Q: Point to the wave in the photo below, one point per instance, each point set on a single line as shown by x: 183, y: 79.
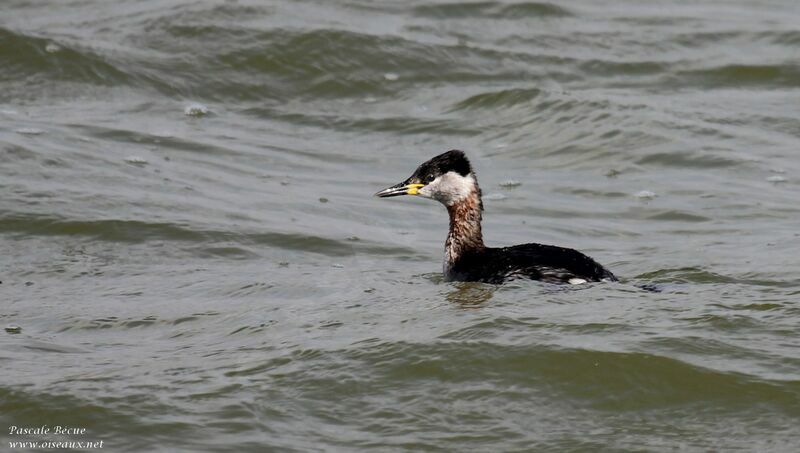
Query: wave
x: 492, y: 10
x: 599, y: 379
x: 30, y: 56
x: 389, y: 124
x: 126, y: 417
x: 498, y: 99
x: 114, y: 322
x: 688, y: 159
x: 740, y: 75
x: 278, y: 64
x: 134, y: 231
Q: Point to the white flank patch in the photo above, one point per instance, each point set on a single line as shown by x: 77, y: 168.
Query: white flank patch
x: 576, y: 281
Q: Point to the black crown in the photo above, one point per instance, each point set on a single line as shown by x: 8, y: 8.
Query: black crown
x: 453, y: 160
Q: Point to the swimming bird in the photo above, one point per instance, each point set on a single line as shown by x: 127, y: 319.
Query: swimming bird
x: 449, y: 179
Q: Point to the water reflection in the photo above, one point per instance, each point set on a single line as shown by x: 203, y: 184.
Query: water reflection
x: 471, y: 294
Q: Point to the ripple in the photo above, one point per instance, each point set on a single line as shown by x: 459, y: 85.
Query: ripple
x: 493, y: 10
x: 134, y: 231
x: 114, y: 322
x: 740, y: 75
x: 701, y: 346
x: 498, y: 99
x: 486, y: 330
x: 154, y: 139
x: 629, y: 68
x: 673, y: 215
x: 108, y: 230
x: 688, y: 159
x: 599, y: 379
x: 395, y: 125
x: 284, y: 64
x: 686, y: 275
x: 227, y: 252
x: 24, y: 55
x: 107, y: 417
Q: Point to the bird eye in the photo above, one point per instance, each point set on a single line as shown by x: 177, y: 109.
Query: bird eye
x: 429, y: 179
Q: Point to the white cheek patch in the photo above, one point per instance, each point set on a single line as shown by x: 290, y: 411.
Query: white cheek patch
x: 449, y: 188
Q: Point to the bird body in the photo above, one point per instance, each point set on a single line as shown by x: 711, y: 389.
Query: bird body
x: 547, y: 263
x: 449, y: 179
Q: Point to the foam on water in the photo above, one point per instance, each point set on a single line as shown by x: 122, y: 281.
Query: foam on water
x: 30, y: 131
x: 195, y: 109
x: 645, y: 194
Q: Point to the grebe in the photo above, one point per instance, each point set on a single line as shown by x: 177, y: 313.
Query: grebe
x: 448, y: 178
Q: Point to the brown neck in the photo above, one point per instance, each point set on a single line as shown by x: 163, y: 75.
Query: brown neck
x: 465, y: 228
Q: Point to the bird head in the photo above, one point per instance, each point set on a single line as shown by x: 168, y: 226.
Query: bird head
x: 447, y: 178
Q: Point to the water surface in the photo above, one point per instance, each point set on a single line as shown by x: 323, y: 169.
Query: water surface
x: 191, y: 251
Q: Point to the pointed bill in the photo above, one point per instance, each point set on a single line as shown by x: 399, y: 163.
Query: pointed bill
x: 400, y: 189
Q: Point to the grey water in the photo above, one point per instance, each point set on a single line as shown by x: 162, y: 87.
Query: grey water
x: 192, y: 259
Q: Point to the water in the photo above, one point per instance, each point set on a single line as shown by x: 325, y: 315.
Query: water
x: 192, y: 259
